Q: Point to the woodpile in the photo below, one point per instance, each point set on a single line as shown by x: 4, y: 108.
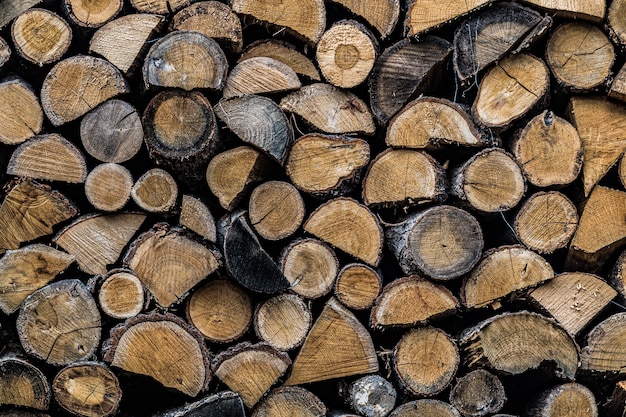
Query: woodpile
x: 346, y: 208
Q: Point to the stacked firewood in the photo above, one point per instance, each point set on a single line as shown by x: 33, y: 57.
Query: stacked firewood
x: 307, y: 208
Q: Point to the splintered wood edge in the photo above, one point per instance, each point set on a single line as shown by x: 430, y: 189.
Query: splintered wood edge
x: 196, y: 216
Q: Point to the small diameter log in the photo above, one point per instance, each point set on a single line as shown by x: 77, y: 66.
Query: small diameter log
x: 618, y: 86
x: 25, y: 270
x: 258, y: 121
x: 250, y: 370
x: 22, y: 384
x: 185, y: 59
x: 564, y: 400
x: 112, y: 132
x: 346, y: 53
x: 10, y: 9
x: 21, y: 115
x: 348, y: 226
x: 535, y: 339
x: 230, y: 174
x: 546, y: 222
x: 196, y: 216
x: 599, y: 123
x: 88, y: 389
x: 97, y: 241
x: 241, y: 248
x: 222, y: 403
x: 123, y: 41
x: 425, y: 408
x: 283, y: 52
x: 478, y: 393
x: 306, y: 19
x: 417, y: 177
x: 489, y: 35
x: 592, y: 10
x: 403, y: 71
x: 41, y: 36
x: 617, y: 277
x: 337, y: 346
x: 574, y: 299
x: 430, y: 122
x: 155, y: 191
x: 503, y: 271
x: 425, y: 15
x: 153, y: 345
x: 490, y: 181
x: 5, y: 53
x: 425, y: 361
x: 616, y: 406
x: 310, y: 266
x: 121, y: 294
x: 580, y: 56
x: 371, y: 396
x: 357, y: 286
x: 330, y: 109
x: 181, y: 133
x: 159, y: 6
x: 604, y: 352
x: 324, y: 165
x: 526, y: 80
x: 91, y: 14
x: 383, y: 15
x: 427, y: 301
x: 616, y: 22
x: 60, y: 323
x: 77, y: 85
x: 260, y: 75
x: 295, y: 401
x: 549, y: 151
x: 276, y: 210
x: 108, y: 186
x: 283, y: 321
x: 214, y: 19
x: 169, y: 262
x: 443, y: 242
x: 48, y: 157
x: 221, y: 310
x: 605, y: 211
x: 30, y: 210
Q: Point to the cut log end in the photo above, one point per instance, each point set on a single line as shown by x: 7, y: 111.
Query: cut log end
x: 121, y: 294
x: 108, y: 187
x: 283, y: 321
x: 41, y: 36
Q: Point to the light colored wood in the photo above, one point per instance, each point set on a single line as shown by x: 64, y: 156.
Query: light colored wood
x: 310, y: 266
x: 618, y: 86
x: 295, y: 401
x: 108, y: 187
x: 10, y: 9
x: 260, y: 75
x: 48, y: 157
x: 41, y: 36
x: 283, y: 321
x: 593, y: 10
x: 425, y: 408
x: 478, y: 393
x: 616, y: 22
x: 159, y: 6
x: 77, y: 85
x: 121, y: 294
x: 90, y: 13
x: 97, y: 241
x: 283, y: 52
x: 622, y: 171
x: 357, y: 286
x: 276, y: 210
x: 571, y: 399
x: 604, y: 351
x: 21, y: 115
x: 155, y: 191
x: 25, y: 270
x: 383, y: 15
x: 23, y: 384
x: 617, y: 277
x: 196, y: 216
x: 424, y: 15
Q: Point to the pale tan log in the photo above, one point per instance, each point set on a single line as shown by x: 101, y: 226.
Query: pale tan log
x: 97, y: 241
x: 618, y: 86
x: 294, y: 401
x: 121, y: 295
x: 155, y: 191
x: 77, y: 85
x: 216, y: 20
x: 604, y: 352
x: 159, y: 6
x: 283, y: 321
x: 196, y: 216
x: 425, y: 408
x: 383, y: 15
x: 25, y: 270
x: 593, y: 10
x: 424, y: 15
x: 310, y: 266
x: 123, y: 41
x: 92, y: 14
x: 565, y: 400
x: 41, y: 36
x: 48, y: 157
x: 616, y: 21
x: 357, y: 286
x: 260, y: 75
x: 22, y: 384
x: 622, y: 171
x: 21, y: 115
x: 283, y: 52
x: 108, y: 186
x: 276, y: 210
x: 574, y: 299
x: 10, y: 9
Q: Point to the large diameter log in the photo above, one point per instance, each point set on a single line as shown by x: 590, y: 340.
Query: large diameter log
x: 22, y: 384
x: 563, y: 400
x: 41, y: 36
x: 294, y: 401
x: 424, y: 15
x: 478, y: 393
x: 604, y: 352
x: 21, y: 115
x: 88, y: 14
x: 443, y: 242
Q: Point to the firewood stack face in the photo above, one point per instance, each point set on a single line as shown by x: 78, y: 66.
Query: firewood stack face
x: 346, y: 208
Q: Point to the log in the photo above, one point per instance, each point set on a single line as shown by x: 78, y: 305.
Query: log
x: 112, y: 132
x: 91, y: 15
x: 425, y: 361
x: 371, y: 396
x: 121, y: 294
x: 604, y: 353
x: 276, y: 210
x: 563, y: 400
x: 617, y: 89
x: 196, y: 216
x: 77, y: 85
x: 11, y: 9
x: 292, y: 400
x: 250, y: 370
x: 5, y: 53
x: 622, y: 171
x: 48, y: 157
x: 222, y: 403
x: 87, y: 389
x: 574, y: 299
x: 357, y: 286
x: 283, y: 321
x: 444, y: 242
x: 159, y: 6
x: 220, y: 310
x: 346, y: 53
x: 615, y: 405
x: 310, y: 266
x: 153, y: 345
x: 170, y: 262
x: 41, y: 36
x: 23, y: 384
x: 108, y: 187
x: 383, y: 15
x: 580, y: 56
x: 283, y: 52
x: 616, y: 23
x: 428, y: 301
x: 478, y: 393
x: 187, y: 60
x: 260, y: 75
x: 21, y: 115
x: 327, y: 165
x: 427, y: 15
x: 617, y: 276
x: 425, y: 408
x: 60, y: 323
x: 155, y: 191
x: 593, y: 10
